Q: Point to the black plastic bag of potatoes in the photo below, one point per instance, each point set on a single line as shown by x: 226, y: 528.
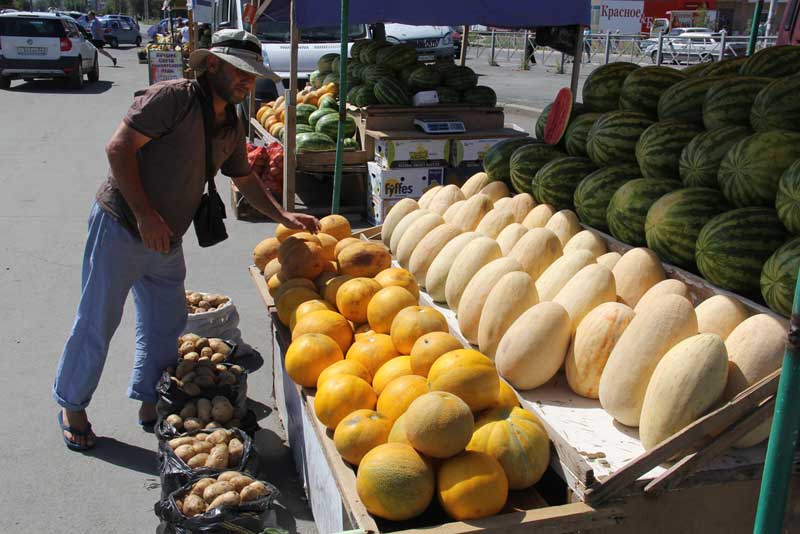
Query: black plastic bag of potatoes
x: 173, y: 397
x: 190, y: 459
x: 165, y: 430
x: 249, y: 517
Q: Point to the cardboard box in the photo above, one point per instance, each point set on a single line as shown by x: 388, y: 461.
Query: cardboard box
x: 470, y: 152
x: 402, y: 182
x: 412, y: 152
x: 378, y: 208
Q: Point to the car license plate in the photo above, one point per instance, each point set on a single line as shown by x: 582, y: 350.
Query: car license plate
x: 32, y: 50
x: 426, y: 57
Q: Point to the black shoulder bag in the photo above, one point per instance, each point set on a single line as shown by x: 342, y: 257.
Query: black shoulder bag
x: 208, y: 219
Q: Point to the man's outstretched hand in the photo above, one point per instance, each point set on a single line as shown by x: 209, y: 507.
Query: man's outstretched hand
x: 301, y: 221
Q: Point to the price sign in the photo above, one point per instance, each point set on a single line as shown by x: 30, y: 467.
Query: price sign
x: 165, y: 65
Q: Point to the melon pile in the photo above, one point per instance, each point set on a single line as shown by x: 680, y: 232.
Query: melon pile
x: 415, y: 412
x: 700, y: 165
x: 536, y: 292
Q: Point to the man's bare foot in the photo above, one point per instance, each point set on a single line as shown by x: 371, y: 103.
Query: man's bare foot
x: 147, y: 412
x: 80, y: 422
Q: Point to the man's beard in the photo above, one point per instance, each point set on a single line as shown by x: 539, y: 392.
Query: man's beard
x: 222, y: 86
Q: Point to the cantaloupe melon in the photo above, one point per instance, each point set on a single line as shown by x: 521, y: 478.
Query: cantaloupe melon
x: 477, y: 290
x: 655, y: 329
x: 509, y: 236
x: 564, y: 224
x: 395, y: 215
x: 415, y: 233
x: 427, y: 249
x: 436, y: 277
x: 586, y: 240
x: 560, y: 272
x: 590, y: 287
x: 514, y: 293
x: 438, y: 424
x: 366, y: 258
x: 637, y: 270
x: 720, y: 314
x: 536, y: 250
x: 538, y: 216
x: 670, y: 286
x: 469, y: 261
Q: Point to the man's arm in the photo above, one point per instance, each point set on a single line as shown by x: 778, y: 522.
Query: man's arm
x: 122, y: 151
x: 264, y: 202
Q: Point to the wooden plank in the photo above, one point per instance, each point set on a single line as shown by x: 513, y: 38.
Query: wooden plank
x: 289, y: 152
x: 261, y: 286
x: 462, y: 60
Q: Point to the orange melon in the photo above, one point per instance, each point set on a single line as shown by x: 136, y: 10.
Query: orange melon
x: 307, y: 307
x: 308, y: 356
x: 413, y: 322
x: 359, y: 433
x: 429, y: 347
x: 372, y: 352
x: 385, y: 305
x: 335, y: 225
x: 265, y: 251
x: 396, y: 367
x: 396, y: 276
x: 332, y: 287
x: 326, y: 322
x: 340, y: 395
x: 290, y: 299
x: 472, y: 485
x: 398, y: 394
x: 467, y: 374
x: 354, y: 296
x: 345, y: 367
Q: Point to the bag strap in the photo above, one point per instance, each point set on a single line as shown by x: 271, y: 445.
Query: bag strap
x: 208, y: 122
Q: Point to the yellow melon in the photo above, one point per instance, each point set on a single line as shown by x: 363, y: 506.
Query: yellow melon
x: 359, y: 433
x: 328, y: 244
x: 399, y: 394
x: 471, y: 485
x: 467, y: 374
x: 398, y: 433
x: 335, y: 225
x: 398, y: 366
x: 308, y: 356
x: 307, y: 307
x: 439, y: 424
x: 385, y: 305
x: 345, y: 367
x: 301, y: 259
x: 354, y: 296
x: 265, y: 251
x: 395, y: 276
x: 290, y: 299
x: 365, y: 258
x: 373, y: 351
x: 282, y: 232
x: 429, y: 347
x: 413, y: 322
x: 326, y: 322
x: 278, y: 285
x: 506, y: 397
x: 344, y: 243
x: 340, y: 395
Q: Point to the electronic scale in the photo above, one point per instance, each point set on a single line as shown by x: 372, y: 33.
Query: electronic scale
x: 440, y: 125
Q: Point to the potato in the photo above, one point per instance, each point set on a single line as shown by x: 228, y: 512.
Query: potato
x: 220, y: 436
x: 226, y: 378
x: 192, y: 424
x: 198, y: 460
x: 254, y: 491
x: 186, y: 347
x: 190, y: 410
x: 175, y: 420
x: 204, y: 359
x: 177, y: 442
x: 217, y: 357
x: 236, y: 369
x: 189, y: 377
x: 204, y: 370
x: 193, y: 505
x: 191, y: 357
x: 201, y: 343
x: 205, y: 381
x: 192, y: 389
x: 220, y: 368
x: 202, y: 446
x: 189, y: 337
x: 218, y: 457
x: 200, y: 486
x: 235, y: 452
x: 227, y: 476
x: 207, y: 352
x: 222, y: 411
x: 185, y: 452
x: 204, y: 410
x: 179, y: 504
x: 240, y: 482
x: 216, y: 489
x: 194, y: 299
x: 200, y: 436
x: 230, y: 498
x: 219, y: 346
x: 184, y: 368
x: 213, y: 425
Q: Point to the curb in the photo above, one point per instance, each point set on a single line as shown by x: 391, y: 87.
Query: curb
x: 520, y: 109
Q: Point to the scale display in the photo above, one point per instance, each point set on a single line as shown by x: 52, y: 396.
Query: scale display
x: 443, y: 125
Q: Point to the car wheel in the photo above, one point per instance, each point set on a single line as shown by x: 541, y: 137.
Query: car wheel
x: 138, y: 41
x: 94, y: 74
x: 114, y: 42
x: 5, y: 82
x: 76, y: 78
x: 654, y: 56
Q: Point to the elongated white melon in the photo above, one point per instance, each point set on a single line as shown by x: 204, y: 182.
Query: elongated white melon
x: 533, y: 348
x: 451, y: 215
x: 446, y: 197
x: 536, y: 250
x: 560, y: 272
x: 474, y: 296
x: 655, y: 329
x: 428, y: 196
x: 395, y: 215
x: 670, y: 286
x: 590, y: 287
x: 586, y: 240
x: 637, y: 270
x: 686, y: 383
x: 513, y: 294
x: 469, y: 261
x: 427, y: 249
x: 719, y: 315
x: 521, y: 205
x: 592, y: 344
x: 472, y: 211
x: 493, y: 222
x: 496, y: 190
x: 415, y: 233
x: 538, y: 216
x: 503, y: 204
x: 403, y: 226
x: 609, y: 259
x: 475, y: 183
x: 436, y: 278
x: 564, y: 224
x: 509, y: 236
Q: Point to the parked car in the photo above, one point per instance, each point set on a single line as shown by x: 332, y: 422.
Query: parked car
x: 456, y: 34
x: 674, y: 32
x: 694, y: 48
x: 130, y: 20
x: 163, y: 27
x: 45, y: 45
x: 431, y: 42
x: 119, y: 31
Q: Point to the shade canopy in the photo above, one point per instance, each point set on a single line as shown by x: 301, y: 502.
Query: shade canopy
x: 499, y: 13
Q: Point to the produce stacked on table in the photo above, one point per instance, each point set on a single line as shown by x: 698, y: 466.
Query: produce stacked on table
x: 701, y: 165
x: 198, y: 302
x: 231, y: 488
x: 537, y: 293
x: 409, y: 407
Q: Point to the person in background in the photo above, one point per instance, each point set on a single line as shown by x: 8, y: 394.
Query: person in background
x: 98, y: 35
x: 587, y: 43
x: 204, y: 40
x: 183, y: 27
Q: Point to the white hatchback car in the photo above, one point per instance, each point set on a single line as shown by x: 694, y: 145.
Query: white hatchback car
x: 45, y: 45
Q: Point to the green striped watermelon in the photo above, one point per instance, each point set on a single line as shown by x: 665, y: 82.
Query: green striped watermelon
x: 787, y: 201
x: 728, y: 102
x: 777, y: 106
x: 577, y: 133
x: 460, y: 78
x: 329, y: 125
x: 773, y: 62
x: 526, y: 161
x: 355, y: 70
x: 594, y: 192
x: 392, y: 92
x: 350, y: 143
x: 351, y: 94
x: 602, y: 87
x: 700, y: 160
x: 325, y: 63
x: 424, y: 78
x: 726, y: 67
x: 396, y: 57
x: 335, y: 64
x: 364, y: 97
x: 303, y: 112
x: 496, y: 159
x: 369, y: 54
x: 779, y: 277
x: 556, y: 181
x: 406, y: 71
x: 612, y: 138
x: 314, y: 142
x: 331, y: 77
x: 479, y: 96
x: 674, y: 221
x: 732, y: 248
x: 697, y: 70
x: 357, y: 47
x: 317, y: 115
x: 684, y: 100
x: 577, y: 110
x: 660, y: 146
x: 628, y: 208
x: 750, y: 171
x: 303, y: 128
x: 643, y: 87
x: 447, y: 95
x: 328, y: 102
x: 373, y: 73
x: 315, y: 79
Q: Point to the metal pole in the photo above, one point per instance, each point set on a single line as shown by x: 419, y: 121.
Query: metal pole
x: 608, y: 45
x: 290, y: 129
x: 751, y: 44
x: 722, y: 44
x: 337, y: 169
x: 576, y: 64
x: 464, y: 45
x: 492, y: 62
x: 525, y: 51
x: 770, y: 14
x: 660, y: 47
x: 783, y: 436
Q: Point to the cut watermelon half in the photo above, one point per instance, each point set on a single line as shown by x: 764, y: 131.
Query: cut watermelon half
x: 558, y: 118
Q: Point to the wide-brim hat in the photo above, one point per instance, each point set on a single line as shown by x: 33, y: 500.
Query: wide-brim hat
x: 240, y: 48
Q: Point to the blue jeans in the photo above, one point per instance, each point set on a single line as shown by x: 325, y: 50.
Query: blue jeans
x: 114, y: 263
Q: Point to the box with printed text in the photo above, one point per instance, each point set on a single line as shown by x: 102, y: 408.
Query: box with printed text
x: 378, y: 208
x: 412, y: 152
x: 403, y: 182
x: 470, y: 152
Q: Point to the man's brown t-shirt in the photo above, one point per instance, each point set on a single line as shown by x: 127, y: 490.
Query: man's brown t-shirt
x: 172, y: 165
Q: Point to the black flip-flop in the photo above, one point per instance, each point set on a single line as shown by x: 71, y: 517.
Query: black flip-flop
x: 75, y: 432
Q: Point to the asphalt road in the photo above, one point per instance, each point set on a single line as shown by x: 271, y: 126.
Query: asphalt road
x: 51, y: 163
